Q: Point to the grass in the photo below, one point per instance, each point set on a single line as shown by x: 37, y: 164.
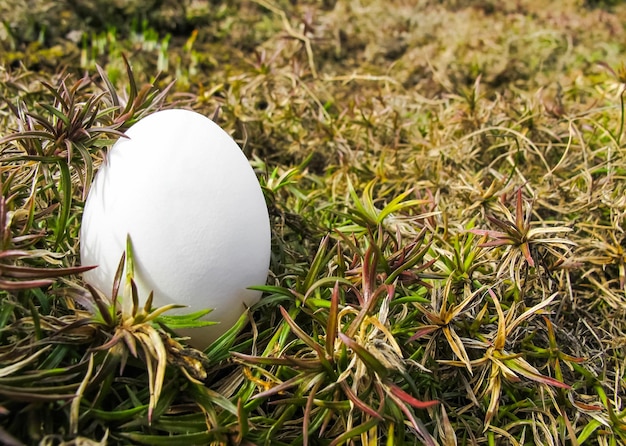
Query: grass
x: 446, y: 189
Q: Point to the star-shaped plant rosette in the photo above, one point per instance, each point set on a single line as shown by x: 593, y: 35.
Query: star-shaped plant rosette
x: 525, y: 245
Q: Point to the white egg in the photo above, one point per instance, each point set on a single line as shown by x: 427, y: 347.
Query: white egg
x: 184, y: 191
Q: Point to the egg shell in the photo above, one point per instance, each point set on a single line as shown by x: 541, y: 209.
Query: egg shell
x: 183, y: 190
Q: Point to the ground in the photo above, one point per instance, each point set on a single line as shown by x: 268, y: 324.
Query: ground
x: 445, y: 183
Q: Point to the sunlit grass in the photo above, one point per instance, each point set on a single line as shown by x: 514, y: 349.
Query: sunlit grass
x: 446, y: 190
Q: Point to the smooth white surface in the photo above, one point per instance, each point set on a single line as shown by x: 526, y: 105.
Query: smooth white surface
x: 198, y: 222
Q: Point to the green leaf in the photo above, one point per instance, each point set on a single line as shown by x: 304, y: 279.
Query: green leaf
x: 317, y: 265
x: 301, y: 333
x: 208, y: 398
x: 57, y: 113
x: 397, y: 204
x: 588, y: 431
x: 66, y: 203
x: 220, y: 348
x: 190, y: 320
x: 207, y: 437
x: 355, y: 432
